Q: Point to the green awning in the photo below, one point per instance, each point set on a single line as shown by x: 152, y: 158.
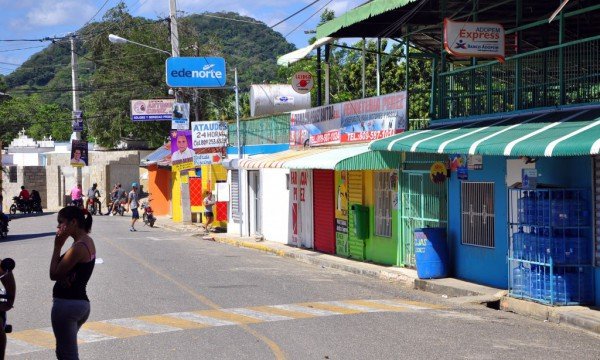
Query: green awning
x: 346, y: 158
x: 560, y: 138
x: 358, y: 14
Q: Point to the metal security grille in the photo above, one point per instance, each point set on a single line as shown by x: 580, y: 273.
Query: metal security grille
x: 597, y: 209
x: 477, y: 213
x: 235, y: 205
x: 383, y: 204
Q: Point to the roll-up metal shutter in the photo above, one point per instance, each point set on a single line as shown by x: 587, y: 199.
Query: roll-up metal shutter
x: 324, y: 210
x: 234, y: 198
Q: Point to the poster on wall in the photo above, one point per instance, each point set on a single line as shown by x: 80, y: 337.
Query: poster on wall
x: 341, y: 198
x: 373, y: 118
x: 79, y: 153
x: 77, y: 121
x: 316, y: 126
x: 182, y: 154
x: 475, y: 162
x: 301, y: 207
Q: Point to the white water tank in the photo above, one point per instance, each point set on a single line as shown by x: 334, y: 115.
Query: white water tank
x: 267, y: 99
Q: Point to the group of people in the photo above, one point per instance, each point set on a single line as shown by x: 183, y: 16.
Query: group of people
x: 71, y: 272
x: 117, y: 196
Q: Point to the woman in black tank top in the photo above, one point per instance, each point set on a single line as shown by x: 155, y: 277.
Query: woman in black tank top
x: 71, y: 271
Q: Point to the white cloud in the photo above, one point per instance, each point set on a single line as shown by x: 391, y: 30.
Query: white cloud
x: 51, y: 13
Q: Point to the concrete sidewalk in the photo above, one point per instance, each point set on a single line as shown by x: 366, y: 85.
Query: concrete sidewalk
x: 457, y: 291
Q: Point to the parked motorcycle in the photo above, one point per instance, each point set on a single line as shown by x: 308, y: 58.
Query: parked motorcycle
x: 7, y: 265
x: 148, y: 215
x: 93, y: 207
x: 23, y: 206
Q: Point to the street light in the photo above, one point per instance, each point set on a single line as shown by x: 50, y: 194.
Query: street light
x: 119, y: 40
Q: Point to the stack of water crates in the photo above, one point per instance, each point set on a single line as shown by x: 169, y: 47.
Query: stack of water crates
x: 550, y: 258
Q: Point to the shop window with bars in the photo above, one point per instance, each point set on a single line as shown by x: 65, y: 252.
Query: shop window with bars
x: 234, y: 198
x: 383, y: 204
x: 597, y: 209
x: 477, y: 213
x: 12, y: 174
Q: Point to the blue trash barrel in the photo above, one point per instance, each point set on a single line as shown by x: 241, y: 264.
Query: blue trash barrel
x: 431, y: 253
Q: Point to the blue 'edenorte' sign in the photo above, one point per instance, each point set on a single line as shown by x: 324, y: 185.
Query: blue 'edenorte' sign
x: 201, y: 72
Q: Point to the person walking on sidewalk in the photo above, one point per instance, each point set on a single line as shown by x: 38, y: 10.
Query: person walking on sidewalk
x: 132, y: 204
x: 71, y: 271
x: 209, y: 202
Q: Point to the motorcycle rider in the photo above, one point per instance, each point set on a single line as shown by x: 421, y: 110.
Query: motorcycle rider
x: 24, y: 194
x: 117, y: 196
x: 77, y: 196
x: 93, y: 194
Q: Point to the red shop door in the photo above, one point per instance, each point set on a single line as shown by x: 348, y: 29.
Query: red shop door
x: 324, y: 210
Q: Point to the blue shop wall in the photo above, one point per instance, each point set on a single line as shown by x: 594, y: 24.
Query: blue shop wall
x: 488, y: 266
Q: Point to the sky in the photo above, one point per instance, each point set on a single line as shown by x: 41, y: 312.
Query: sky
x: 37, y: 19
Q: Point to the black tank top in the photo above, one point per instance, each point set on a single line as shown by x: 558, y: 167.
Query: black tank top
x: 73, y: 285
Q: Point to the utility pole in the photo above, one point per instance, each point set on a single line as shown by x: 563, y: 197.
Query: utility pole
x: 174, y: 32
x: 196, y: 96
x: 239, y: 150
x: 76, y: 135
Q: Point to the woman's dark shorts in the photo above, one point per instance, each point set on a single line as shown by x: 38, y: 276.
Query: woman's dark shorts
x: 209, y: 213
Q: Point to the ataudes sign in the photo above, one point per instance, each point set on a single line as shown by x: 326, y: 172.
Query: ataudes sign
x: 200, y: 72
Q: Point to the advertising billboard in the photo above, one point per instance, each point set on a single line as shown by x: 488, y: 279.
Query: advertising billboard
x: 152, y: 110
x: 474, y: 39
x: 318, y: 126
x: 200, y: 72
x: 182, y: 154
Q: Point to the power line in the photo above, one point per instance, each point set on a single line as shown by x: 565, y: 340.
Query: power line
x: 302, y: 23
x: 296, y: 13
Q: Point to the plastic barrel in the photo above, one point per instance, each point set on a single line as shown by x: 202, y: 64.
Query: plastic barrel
x: 431, y: 253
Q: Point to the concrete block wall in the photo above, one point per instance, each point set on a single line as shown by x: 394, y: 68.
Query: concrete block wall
x: 32, y: 177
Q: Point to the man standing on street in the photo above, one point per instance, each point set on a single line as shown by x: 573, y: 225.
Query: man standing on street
x: 132, y: 204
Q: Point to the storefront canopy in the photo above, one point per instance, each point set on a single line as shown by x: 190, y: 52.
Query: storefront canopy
x: 358, y: 17
x: 346, y: 158
x: 276, y: 160
x: 296, y: 55
x: 574, y: 132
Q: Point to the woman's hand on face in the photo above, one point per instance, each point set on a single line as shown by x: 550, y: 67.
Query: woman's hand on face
x: 61, y: 236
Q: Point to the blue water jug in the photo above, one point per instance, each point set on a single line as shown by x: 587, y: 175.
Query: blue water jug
x: 518, y: 281
x: 537, y: 284
x: 543, y: 208
x: 519, y: 243
x: 560, y: 209
x: 531, y: 209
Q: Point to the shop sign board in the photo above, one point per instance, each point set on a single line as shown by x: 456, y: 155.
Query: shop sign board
x: 210, y: 134
x: 207, y: 159
x: 474, y: 39
x: 302, y: 82
x: 197, y: 72
x: 152, y: 110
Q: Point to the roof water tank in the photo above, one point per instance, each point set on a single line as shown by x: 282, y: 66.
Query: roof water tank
x: 267, y: 99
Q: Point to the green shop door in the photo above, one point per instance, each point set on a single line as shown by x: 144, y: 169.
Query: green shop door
x: 356, y: 242
x: 423, y: 204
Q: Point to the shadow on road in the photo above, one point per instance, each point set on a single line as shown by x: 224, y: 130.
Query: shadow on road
x: 26, y: 236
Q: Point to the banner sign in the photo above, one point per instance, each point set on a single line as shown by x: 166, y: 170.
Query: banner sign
x: 207, y: 159
x: 77, y: 121
x: 79, y: 153
x: 182, y: 155
x: 320, y: 126
x: 199, y: 72
x: 209, y: 134
x: 152, y: 110
x: 474, y: 39
x: 180, y: 116
x: 373, y: 118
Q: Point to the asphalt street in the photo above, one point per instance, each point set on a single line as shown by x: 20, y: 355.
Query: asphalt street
x: 158, y: 294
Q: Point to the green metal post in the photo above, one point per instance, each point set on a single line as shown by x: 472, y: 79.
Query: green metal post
x: 432, y: 97
x: 518, y: 62
x: 441, y: 80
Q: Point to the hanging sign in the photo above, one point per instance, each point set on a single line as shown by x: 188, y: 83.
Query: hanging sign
x: 180, y: 116
x: 474, y: 39
x: 197, y: 72
x: 152, y: 110
x: 79, y: 153
x: 207, y: 159
x: 437, y: 173
x: 302, y: 82
x: 77, y: 121
x: 210, y: 134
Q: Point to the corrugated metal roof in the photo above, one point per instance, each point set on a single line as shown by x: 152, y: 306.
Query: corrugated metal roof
x: 577, y: 133
x: 159, y: 155
x: 346, y: 158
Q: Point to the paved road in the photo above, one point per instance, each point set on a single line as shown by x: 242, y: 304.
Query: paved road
x: 164, y: 295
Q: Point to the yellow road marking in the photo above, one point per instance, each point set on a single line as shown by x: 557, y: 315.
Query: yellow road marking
x: 171, y: 321
x: 288, y: 313
x: 217, y: 314
x: 333, y: 308
x: 374, y: 305
x: 113, y: 330
x: 35, y: 337
x: 417, y: 303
